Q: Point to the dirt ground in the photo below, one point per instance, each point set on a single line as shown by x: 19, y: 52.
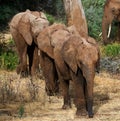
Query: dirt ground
x: 106, y: 103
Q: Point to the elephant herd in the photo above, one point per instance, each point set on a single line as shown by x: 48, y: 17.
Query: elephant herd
x: 62, y: 53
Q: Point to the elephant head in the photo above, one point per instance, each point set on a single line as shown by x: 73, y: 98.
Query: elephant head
x: 79, y: 53
x: 111, y: 12
x: 29, y: 24
x: 49, y: 38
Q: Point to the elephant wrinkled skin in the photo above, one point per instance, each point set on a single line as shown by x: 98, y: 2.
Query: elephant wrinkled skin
x: 111, y: 12
x: 24, y: 28
x: 75, y: 58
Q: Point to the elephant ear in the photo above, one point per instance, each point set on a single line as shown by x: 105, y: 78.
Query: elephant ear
x: 44, y: 44
x: 24, y: 28
x: 69, y: 55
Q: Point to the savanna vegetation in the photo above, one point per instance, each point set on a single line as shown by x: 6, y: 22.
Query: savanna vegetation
x: 107, y: 89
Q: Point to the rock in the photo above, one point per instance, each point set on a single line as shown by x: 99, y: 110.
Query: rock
x: 110, y: 64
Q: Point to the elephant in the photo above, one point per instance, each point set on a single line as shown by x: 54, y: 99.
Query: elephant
x: 111, y: 12
x: 24, y: 28
x: 75, y: 58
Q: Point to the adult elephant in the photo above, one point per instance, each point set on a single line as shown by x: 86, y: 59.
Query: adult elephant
x: 111, y: 12
x: 76, y: 59
x: 24, y: 28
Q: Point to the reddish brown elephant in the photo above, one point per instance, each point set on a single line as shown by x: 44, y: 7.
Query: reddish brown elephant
x: 75, y: 58
x: 24, y: 28
x: 111, y: 12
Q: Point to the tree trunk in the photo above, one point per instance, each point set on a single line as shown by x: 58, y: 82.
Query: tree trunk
x: 76, y: 16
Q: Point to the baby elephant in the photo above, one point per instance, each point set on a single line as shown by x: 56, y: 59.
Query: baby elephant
x: 81, y: 59
x: 24, y: 28
x: 74, y: 58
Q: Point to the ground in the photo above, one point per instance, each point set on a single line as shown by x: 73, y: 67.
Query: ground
x: 106, y: 102
x: 24, y: 100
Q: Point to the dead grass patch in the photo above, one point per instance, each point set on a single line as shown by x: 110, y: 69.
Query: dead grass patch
x: 44, y: 108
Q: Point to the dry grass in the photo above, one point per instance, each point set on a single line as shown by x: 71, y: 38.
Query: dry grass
x: 40, y: 107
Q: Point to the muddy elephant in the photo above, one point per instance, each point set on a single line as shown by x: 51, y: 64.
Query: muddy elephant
x: 76, y: 59
x: 111, y: 12
x: 24, y: 28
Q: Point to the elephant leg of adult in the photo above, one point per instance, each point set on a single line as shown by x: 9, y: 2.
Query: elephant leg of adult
x: 50, y: 74
x: 79, y: 98
x: 64, y: 85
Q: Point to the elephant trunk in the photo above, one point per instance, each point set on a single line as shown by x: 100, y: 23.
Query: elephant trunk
x: 104, y: 31
x: 106, y: 25
x: 89, y: 74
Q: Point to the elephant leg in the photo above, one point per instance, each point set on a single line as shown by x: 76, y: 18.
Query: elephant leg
x: 23, y: 63
x: 50, y: 74
x: 119, y: 32
x: 35, y: 64
x: 32, y: 52
x: 64, y: 85
x: 79, y: 98
x: 22, y: 53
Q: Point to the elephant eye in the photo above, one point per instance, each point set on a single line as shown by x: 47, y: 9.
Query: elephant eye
x: 113, y: 10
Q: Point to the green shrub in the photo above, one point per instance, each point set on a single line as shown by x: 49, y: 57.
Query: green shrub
x: 8, y: 60
x: 8, y: 57
x: 6, y: 13
x: 53, y: 19
x: 111, y: 50
x: 94, y: 12
x: 50, y: 18
x: 21, y: 111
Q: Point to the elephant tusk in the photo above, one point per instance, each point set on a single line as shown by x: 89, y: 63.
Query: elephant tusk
x: 109, y: 31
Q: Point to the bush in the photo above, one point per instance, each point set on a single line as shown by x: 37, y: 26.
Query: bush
x: 94, y: 12
x: 6, y: 13
x: 8, y: 57
x: 111, y: 50
x: 8, y: 60
x: 52, y: 19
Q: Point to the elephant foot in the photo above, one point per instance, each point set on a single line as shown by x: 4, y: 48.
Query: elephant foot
x: 91, y: 115
x: 66, y: 106
x: 89, y: 107
x: 24, y: 74
x: 81, y: 113
x: 52, y: 93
